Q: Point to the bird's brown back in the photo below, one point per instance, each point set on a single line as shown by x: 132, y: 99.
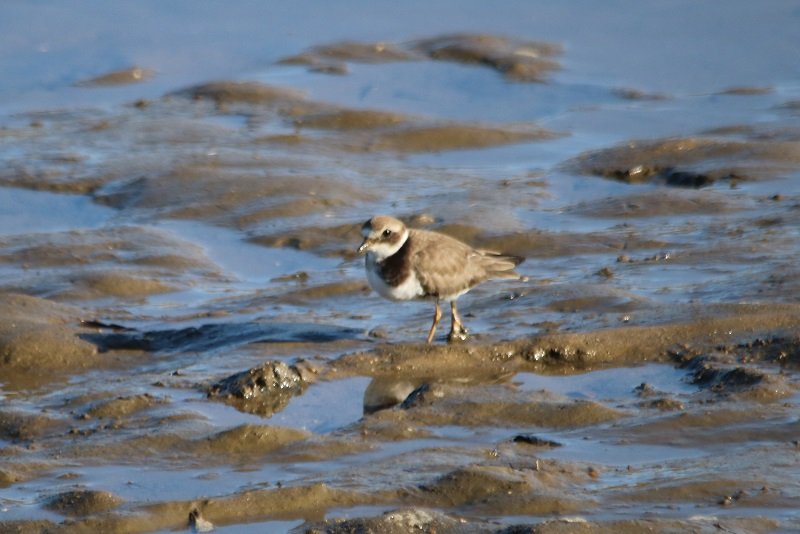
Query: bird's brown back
x: 446, y: 267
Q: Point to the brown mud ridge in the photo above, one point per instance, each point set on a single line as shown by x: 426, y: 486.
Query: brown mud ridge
x: 691, y: 162
x: 741, y: 368
x: 519, y: 61
x: 118, y: 77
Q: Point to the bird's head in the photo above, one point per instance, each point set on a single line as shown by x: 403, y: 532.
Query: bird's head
x: 383, y: 236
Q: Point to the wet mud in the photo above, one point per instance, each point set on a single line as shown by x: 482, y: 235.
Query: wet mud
x: 691, y: 162
x: 517, y: 60
x: 119, y: 77
x: 209, y: 354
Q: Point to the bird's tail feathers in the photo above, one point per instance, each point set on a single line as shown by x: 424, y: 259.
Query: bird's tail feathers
x: 500, y: 265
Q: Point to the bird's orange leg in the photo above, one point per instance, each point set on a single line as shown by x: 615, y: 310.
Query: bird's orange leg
x: 436, y: 316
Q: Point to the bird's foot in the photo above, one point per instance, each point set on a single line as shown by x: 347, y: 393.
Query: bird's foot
x: 458, y: 335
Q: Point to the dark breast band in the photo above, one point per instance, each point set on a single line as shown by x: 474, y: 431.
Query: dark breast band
x: 396, y: 268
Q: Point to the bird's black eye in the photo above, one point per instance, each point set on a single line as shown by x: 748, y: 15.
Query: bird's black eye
x: 387, y: 233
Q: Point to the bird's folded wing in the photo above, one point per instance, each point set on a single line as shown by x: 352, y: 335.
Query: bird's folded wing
x: 445, y: 266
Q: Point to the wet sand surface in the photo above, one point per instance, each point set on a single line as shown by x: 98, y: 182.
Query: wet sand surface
x: 188, y: 340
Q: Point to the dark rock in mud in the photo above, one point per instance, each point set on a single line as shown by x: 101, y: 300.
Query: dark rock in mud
x: 119, y: 77
x: 83, y: 502
x: 262, y: 390
x: 520, y: 61
x: 529, y: 439
x: 689, y: 162
x: 399, y: 522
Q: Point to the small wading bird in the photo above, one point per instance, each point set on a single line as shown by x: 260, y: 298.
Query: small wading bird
x: 406, y: 263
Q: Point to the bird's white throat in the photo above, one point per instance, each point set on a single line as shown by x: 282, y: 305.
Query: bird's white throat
x: 381, y: 250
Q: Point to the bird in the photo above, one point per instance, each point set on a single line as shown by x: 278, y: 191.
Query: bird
x: 407, y: 263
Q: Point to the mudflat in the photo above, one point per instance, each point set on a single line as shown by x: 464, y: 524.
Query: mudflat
x: 188, y: 340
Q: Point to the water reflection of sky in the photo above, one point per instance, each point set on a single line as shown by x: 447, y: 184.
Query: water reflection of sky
x: 23, y: 211
x: 684, y: 47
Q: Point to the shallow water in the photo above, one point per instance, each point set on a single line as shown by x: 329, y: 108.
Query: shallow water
x: 160, y: 237
x: 28, y: 212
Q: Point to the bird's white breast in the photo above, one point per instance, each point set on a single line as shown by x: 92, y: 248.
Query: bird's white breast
x: 410, y: 288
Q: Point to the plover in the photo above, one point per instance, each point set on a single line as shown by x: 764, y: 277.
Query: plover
x: 405, y: 263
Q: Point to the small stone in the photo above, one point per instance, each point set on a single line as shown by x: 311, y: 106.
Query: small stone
x: 197, y: 523
x: 605, y: 272
x: 262, y: 390
x: 378, y: 333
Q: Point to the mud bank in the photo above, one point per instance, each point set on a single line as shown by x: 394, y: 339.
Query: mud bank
x: 517, y: 60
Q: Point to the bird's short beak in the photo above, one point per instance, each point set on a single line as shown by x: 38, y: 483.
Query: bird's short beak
x: 364, y: 246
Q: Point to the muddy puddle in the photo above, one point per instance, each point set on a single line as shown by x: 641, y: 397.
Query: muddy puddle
x: 188, y: 341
